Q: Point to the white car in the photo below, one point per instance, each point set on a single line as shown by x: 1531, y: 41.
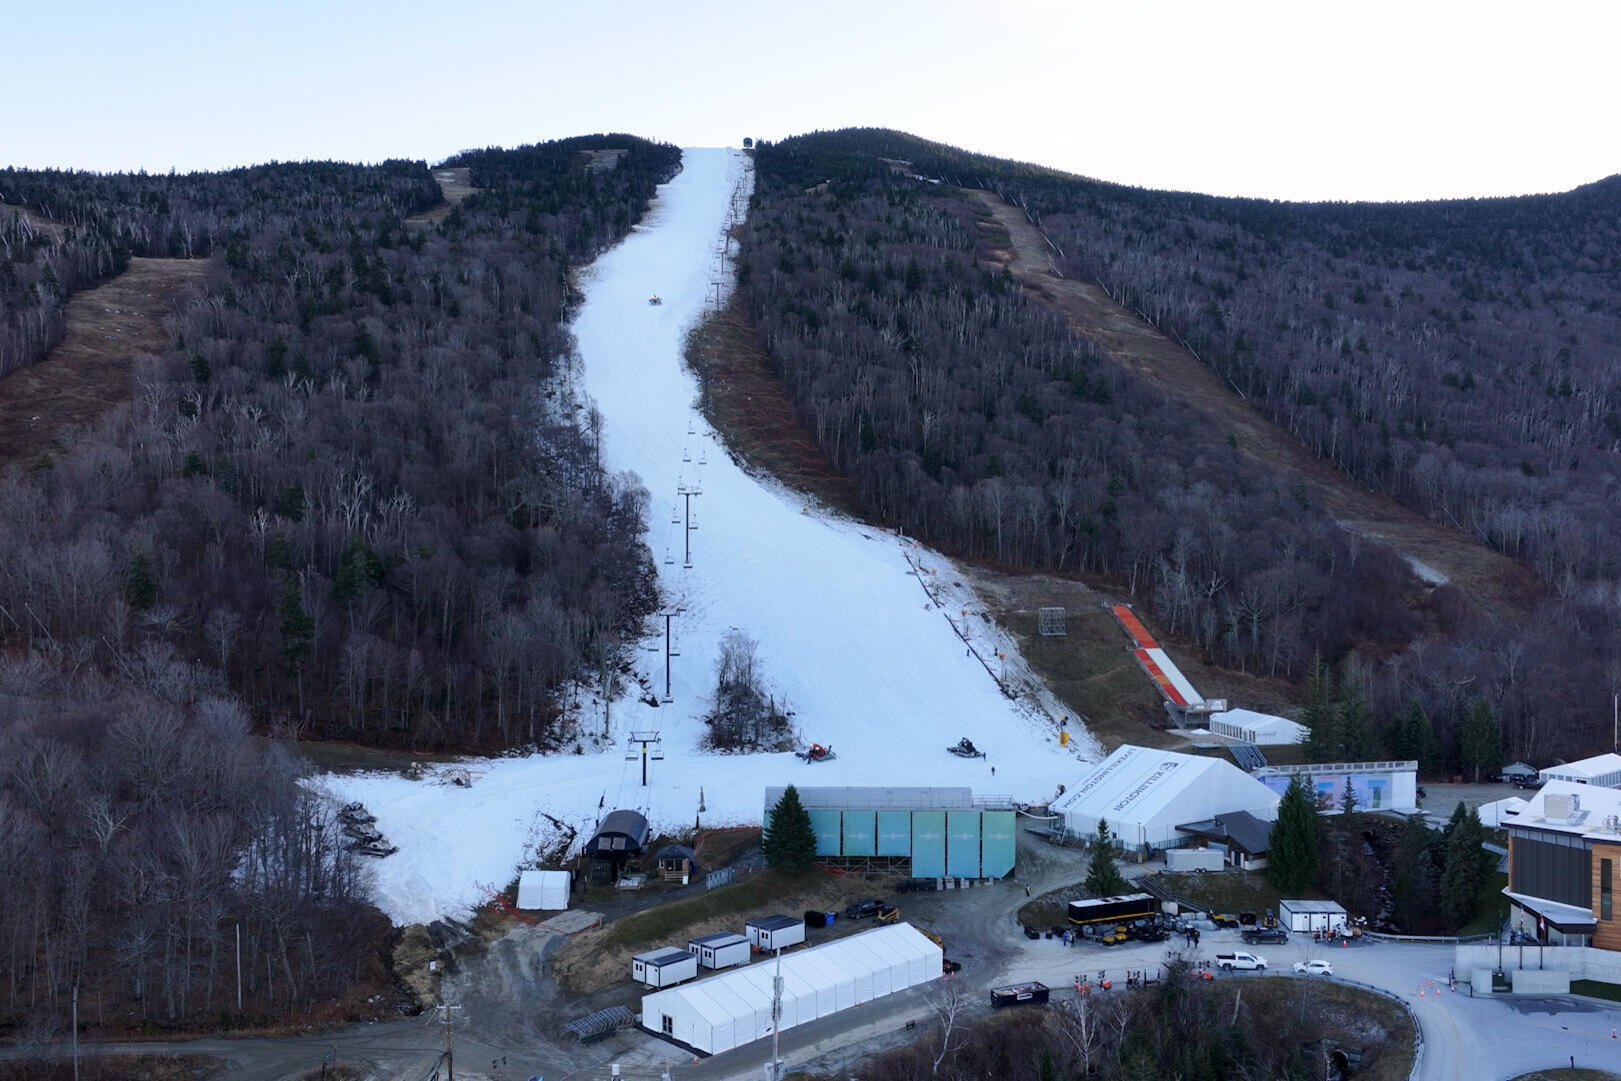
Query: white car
x: 1314, y: 967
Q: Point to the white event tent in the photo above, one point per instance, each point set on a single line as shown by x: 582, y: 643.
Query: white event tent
x: 1144, y: 794
x: 734, y: 1008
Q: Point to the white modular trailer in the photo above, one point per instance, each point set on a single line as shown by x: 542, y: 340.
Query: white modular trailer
x: 543, y: 890
x: 734, y: 1008
x: 721, y: 950
x: 767, y: 933
x: 664, y: 968
x: 1195, y: 859
x: 1304, y: 917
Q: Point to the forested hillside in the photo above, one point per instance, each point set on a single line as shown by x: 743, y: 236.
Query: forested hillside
x: 356, y: 499
x: 967, y: 411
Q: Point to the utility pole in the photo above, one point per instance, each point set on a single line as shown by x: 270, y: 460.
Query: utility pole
x: 239, y: 969
x: 75, y: 1032
x: 776, y: 1018
x: 447, y: 1022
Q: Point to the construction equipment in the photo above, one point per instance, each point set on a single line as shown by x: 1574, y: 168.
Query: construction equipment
x: 965, y: 748
x: 816, y: 752
x: 889, y: 913
x: 655, y: 299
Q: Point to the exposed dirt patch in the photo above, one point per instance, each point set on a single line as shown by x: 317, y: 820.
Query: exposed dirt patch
x: 1090, y: 667
x: 746, y: 404
x: 89, y: 370
x: 603, y: 161
x: 1495, y: 583
x: 456, y: 185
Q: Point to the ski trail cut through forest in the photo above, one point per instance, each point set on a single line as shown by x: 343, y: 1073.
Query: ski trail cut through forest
x: 455, y: 185
x: 1495, y: 583
x: 88, y: 371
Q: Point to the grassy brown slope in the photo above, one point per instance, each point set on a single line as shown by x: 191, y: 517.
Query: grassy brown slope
x: 750, y: 410
x: 456, y: 185
x: 1494, y: 582
x: 89, y: 370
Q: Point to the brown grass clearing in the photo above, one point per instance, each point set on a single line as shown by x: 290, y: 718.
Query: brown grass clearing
x: 89, y: 370
x: 456, y: 185
x: 1494, y: 582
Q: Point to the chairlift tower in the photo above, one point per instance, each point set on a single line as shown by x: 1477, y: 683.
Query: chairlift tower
x: 647, y: 740
x: 670, y: 650
x: 687, y: 492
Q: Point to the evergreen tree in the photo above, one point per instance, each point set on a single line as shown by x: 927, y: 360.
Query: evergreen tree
x: 1414, y: 880
x: 1480, y: 744
x: 140, y: 587
x: 1293, y: 851
x: 1412, y: 736
x: 1354, y: 735
x: 1318, y: 714
x: 1466, y: 867
x: 789, y: 843
x: 1103, y: 878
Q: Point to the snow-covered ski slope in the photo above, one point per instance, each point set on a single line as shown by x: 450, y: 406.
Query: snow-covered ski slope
x: 847, y: 631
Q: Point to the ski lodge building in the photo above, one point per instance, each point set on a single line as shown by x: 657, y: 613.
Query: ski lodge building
x: 1564, y: 859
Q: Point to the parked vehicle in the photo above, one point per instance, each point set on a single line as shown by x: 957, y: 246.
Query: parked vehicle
x: 889, y: 913
x: 816, y: 752
x: 965, y: 749
x: 1019, y: 994
x: 1224, y: 919
x: 1250, y: 962
x: 1315, y: 967
x: 863, y: 909
x: 1254, y: 935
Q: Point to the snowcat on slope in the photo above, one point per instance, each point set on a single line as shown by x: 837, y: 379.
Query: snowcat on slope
x: 965, y: 748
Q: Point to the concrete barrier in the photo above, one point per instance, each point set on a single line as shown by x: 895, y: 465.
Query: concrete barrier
x: 1532, y: 981
x: 1577, y: 962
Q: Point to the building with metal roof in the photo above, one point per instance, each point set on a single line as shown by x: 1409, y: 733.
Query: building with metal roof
x: 1145, y: 794
x: 735, y: 1007
x: 1603, y: 770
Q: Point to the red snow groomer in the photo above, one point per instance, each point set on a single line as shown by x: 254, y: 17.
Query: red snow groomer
x: 817, y: 753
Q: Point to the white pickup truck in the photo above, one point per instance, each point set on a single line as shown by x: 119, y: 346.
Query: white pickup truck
x: 1230, y: 961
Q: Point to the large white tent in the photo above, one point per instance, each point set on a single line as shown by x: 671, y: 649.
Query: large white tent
x: 734, y: 1008
x: 1144, y: 794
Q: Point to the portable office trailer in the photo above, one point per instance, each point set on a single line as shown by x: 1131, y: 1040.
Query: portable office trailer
x: 720, y: 950
x: 1308, y: 916
x: 767, y: 933
x: 664, y: 968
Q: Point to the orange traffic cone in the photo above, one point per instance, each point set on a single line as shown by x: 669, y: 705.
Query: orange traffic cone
x: 1421, y: 992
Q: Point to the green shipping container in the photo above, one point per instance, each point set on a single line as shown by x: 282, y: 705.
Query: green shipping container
x: 997, y: 840
x: 894, y: 833
x: 928, y: 844
x: 860, y: 833
x: 962, y: 844
x: 826, y: 826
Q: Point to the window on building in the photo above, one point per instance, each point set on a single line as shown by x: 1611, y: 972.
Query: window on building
x: 668, y: 1025
x: 1606, y: 872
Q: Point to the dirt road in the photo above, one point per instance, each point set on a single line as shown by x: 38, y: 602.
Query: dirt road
x: 1495, y: 583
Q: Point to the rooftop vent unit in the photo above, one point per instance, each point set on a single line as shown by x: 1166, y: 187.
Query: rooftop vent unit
x: 1558, y: 807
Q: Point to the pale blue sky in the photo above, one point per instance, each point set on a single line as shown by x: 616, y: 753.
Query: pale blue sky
x: 1299, y: 99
